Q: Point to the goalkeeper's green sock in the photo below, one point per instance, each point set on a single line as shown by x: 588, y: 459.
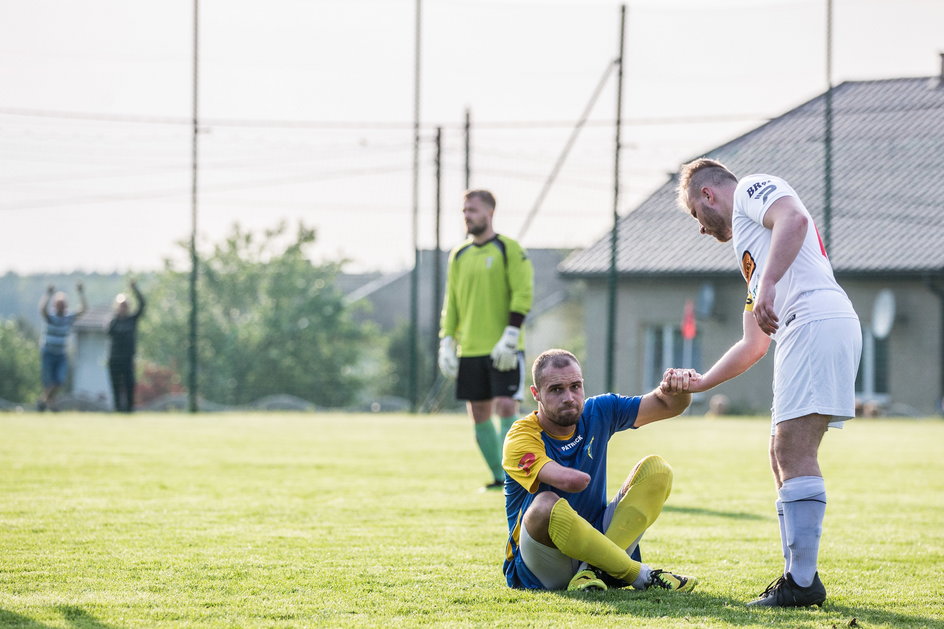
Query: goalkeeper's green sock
x: 576, y: 538
x: 487, y: 439
x: 649, y: 486
x: 505, y: 424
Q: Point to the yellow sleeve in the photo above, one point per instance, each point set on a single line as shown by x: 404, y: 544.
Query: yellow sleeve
x: 523, y: 454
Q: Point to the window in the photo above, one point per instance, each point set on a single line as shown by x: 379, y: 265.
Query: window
x: 872, y: 379
x: 666, y: 348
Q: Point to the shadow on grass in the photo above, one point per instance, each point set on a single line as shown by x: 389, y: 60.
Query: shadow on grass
x: 75, y: 616
x: 661, y: 604
x: 720, y: 514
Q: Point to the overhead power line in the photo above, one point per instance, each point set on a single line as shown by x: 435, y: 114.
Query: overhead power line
x: 206, y: 189
x: 367, y: 125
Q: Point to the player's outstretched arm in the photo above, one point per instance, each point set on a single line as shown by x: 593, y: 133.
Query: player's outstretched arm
x: 669, y: 399
x: 738, y: 359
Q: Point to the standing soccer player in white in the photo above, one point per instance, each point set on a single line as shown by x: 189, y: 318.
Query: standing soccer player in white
x: 792, y: 298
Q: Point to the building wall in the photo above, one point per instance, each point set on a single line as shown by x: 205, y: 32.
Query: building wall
x: 559, y: 327
x: 90, y: 367
x: 914, y: 343
x: 914, y: 358
x: 658, y: 302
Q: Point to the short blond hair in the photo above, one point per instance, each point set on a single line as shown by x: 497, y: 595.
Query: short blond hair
x: 556, y: 358
x: 482, y: 195
x: 700, y: 172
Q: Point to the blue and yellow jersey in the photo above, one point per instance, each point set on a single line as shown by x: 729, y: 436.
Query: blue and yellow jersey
x: 484, y: 284
x: 528, y: 448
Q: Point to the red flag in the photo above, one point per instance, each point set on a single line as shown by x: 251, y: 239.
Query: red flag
x: 689, y: 327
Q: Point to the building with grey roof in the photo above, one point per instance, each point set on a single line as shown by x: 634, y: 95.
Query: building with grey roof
x: 884, y: 232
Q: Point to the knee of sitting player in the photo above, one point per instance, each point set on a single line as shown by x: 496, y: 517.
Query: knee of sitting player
x: 652, y: 465
x: 538, y: 516
x: 654, y: 471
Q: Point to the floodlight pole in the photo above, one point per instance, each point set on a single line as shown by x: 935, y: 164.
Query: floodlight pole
x: 612, y: 284
x: 193, y: 393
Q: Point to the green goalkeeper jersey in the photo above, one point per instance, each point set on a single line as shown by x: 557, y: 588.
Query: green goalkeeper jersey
x: 483, y: 285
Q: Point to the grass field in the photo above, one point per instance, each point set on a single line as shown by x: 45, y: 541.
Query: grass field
x: 376, y: 520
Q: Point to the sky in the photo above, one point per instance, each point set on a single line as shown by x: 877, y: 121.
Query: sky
x: 306, y: 110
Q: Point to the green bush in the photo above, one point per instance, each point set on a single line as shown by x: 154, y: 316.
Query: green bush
x: 19, y: 362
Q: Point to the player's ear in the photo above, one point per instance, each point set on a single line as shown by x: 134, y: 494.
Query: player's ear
x: 534, y: 393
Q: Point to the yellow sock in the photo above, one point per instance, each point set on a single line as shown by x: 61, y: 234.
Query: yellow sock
x: 576, y: 538
x: 649, y: 487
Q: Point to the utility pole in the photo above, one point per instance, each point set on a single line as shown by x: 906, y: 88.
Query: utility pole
x: 437, y: 256
x: 828, y: 133
x: 612, y: 293
x: 414, y: 276
x: 468, y: 149
x: 193, y: 393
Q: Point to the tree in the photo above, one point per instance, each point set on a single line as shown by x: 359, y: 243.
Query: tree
x: 19, y: 366
x: 270, y: 322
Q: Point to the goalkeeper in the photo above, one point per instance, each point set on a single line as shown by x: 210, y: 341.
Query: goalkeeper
x: 489, y: 288
x: 562, y: 532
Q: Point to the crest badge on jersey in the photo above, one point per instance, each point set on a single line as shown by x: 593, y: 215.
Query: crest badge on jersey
x: 747, y: 266
x: 526, y: 462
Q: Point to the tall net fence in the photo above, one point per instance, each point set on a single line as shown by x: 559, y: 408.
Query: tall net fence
x: 284, y: 321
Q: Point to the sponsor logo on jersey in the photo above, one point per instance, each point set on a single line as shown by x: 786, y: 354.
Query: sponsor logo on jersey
x: 763, y: 189
x: 526, y: 462
x: 590, y: 445
x: 757, y: 186
x: 572, y: 444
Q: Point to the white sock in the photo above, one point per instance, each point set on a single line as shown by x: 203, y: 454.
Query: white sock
x: 783, y: 537
x: 804, y: 507
x: 642, y: 581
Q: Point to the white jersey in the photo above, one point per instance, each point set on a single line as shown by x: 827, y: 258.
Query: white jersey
x: 808, y: 291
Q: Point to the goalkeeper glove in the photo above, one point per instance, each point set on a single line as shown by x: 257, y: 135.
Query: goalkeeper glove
x: 448, y: 360
x: 505, y: 353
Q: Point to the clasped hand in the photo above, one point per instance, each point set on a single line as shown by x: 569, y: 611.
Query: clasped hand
x: 675, y: 381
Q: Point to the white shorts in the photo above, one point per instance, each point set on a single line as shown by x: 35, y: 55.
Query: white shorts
x: 815, y: 369
x: 553, y: 568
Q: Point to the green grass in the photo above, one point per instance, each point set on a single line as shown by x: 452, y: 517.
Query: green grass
x: 375, y: 520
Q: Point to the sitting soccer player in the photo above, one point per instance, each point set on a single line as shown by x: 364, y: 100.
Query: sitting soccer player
x: 562, y: 532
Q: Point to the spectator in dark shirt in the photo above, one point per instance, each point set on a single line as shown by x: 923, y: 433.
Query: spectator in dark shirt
x: 122, y: 330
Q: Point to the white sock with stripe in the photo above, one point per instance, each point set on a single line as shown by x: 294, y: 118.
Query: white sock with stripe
x: 804, y: 507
